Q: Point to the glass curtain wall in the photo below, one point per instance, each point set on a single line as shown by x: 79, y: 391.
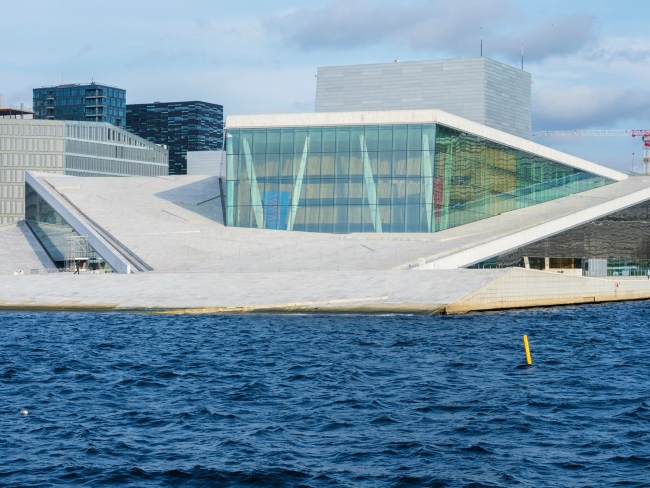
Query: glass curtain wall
x: 476, y: 178
x: 389, y: 178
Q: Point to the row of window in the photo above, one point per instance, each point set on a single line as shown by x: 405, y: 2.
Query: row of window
x: 31, y: 129
x: 60, y: 112
x: 62, y: 102
x: 85, y: 166
x: 12, y: 191
x: 108, y: 134
x: 19, y: 144
x: 343, y: 139
x: 80, y: 90
x: 30, y: 161
x: 12, y: 207
x: 116, y: 151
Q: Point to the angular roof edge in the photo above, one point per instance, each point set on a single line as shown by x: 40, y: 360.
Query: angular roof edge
x: 428, y: 116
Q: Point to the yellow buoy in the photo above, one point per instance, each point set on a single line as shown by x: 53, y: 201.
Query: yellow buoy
x: 528, y: 359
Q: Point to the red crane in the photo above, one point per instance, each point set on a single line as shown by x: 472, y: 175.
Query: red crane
x: 644, y: 134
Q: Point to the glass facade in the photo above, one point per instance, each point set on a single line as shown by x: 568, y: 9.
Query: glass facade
x: 181, y: 126
x: 388, y: 178
x: 63, y: 245
x: 90, y: 102
x: 619, y: 242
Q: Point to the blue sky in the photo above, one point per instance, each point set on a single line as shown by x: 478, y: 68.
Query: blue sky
x: 590, y: 60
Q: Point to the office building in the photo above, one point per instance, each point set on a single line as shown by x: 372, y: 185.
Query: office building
x: 72, y: 148
x: 478, y: 89
x: 89, y: 102
x: 181, y: 126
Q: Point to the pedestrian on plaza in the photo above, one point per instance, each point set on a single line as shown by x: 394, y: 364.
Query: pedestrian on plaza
x: 76, y: 263
x: 648, y: 274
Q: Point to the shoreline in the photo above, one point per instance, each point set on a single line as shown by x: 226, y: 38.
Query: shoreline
x: 426, y: 292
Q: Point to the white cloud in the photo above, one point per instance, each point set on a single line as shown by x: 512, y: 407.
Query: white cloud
x: 431, y: 25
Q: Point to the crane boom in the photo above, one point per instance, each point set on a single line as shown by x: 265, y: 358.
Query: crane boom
x: 594, y: 132
x: 644, y: 134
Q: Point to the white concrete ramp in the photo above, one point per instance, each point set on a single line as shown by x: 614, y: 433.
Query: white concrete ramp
x: 175, y: 224
x: 21, y: 252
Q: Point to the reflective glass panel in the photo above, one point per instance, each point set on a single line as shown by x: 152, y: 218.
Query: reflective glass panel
x: 388, y: 178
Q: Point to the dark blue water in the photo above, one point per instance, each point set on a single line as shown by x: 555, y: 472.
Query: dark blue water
x: 298, y: 400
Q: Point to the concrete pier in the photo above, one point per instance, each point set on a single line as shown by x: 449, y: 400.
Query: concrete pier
x: 422, y: 292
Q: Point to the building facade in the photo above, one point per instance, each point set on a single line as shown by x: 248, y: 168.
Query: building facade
x: 68, y: 147
x: 89, y: 102
x: 401, y: 171
x: 181, y: 126
x: 478, y: 89
x: 614, y: 245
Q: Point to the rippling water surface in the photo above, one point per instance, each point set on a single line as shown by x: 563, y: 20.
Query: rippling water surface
x: 298, y: 400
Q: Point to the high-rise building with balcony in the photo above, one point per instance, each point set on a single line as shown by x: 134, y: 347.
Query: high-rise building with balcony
x: 181, y: 126
x: 90, y: 102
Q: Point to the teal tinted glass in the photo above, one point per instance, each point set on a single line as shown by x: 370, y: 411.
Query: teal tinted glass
x: 389, y: 178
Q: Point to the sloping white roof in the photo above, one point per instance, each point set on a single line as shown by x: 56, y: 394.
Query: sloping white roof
x: 175, y: 223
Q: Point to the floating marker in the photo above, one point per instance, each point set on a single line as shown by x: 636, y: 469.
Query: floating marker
x: 528, y: 359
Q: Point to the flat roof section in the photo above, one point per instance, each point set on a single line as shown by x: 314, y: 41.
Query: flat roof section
x: 16, y: 112
x: 429, y: 116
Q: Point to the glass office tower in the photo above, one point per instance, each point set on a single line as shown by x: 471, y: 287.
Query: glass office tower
x: 384, y: 178
x: 181, y: 126
x: 89, y: 102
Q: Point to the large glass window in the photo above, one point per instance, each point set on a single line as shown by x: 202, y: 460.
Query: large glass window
x: 393, y: 178
x: 64, y: 246
x: 476, y: 178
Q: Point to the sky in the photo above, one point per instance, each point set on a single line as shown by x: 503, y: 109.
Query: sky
x: 590, y: 60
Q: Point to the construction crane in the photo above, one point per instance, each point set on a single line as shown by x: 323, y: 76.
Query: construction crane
x: 643, y: 134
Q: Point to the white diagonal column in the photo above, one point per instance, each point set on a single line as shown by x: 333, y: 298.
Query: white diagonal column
x: 256, y: 198
x: 427, y: 174
x: 297, y: 187
x: 369, y: 184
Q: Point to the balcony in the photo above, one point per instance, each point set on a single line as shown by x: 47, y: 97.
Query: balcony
x: 96, y: 111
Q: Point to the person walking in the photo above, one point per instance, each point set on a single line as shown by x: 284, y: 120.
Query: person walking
x: 76, y: 263
x: 648, y: 273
